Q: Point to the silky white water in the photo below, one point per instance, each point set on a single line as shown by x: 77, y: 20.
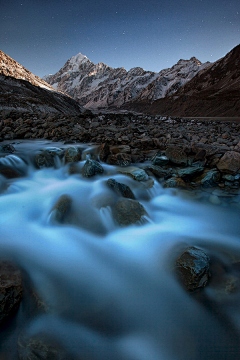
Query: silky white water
x: 112, y: 292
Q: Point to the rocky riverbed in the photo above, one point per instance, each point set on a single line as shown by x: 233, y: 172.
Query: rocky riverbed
x: 109, y: 236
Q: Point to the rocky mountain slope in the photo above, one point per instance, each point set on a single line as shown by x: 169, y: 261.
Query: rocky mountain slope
x: 23, y: 91
x: 214, y: 91
x: 100, y: 86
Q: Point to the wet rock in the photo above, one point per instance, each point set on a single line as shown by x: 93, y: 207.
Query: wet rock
x: 91, y: 168
x: 104, y: 152
x: 160, y: 160
x: 177, y: 155
x: 120, y: 159
x: 174, y: 183
x: 7, y: 148
x: 120, y: 149
x: 53, y: 151
x: 10, y: 289
x: 120, y: 189
x: 40, y: 347
x: 214, y: 199
x: 10, y: 173
x: 44, y: 159
x: 159, y: 171
x: 136, y: 173
x: 192, y: 266
x: 128, y: 212
x: 72, y: 154
x: 229, y: 163
x: 190, y: 172
x: 211, y: 178
x: 61, y: 208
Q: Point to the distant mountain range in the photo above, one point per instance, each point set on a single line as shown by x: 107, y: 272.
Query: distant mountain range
x: 213, y: 91
x: 188, y: 88
x: 100, y: 86
x: 20, y: 90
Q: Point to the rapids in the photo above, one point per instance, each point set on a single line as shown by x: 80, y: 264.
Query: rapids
x: 112, y: 292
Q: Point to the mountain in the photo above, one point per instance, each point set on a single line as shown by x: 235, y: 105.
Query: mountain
x: 100, y: 86
x: 22, y: 90
x: 214, y: 91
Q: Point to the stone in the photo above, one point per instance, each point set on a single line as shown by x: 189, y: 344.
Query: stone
x: 160, y: 160
x: 72, y: 154
x: 44, y: 159
x: 128, y: 212
x: 7, y: 148
x: 120, y: 149
x: 40, y: 347
x: 174, y: 182
x: 53, y: 151
x: 177, y: 155
x: 136, y: 173
x: 190, y: 172
x: 214, y: 199
x: 10, y: 173
x: 120, y: 159
x: 120, y: 189
x: 211, y: 178
x: 229, y: 163
x: 61, y: 208
x: 10, y: 289
x: 91, y: 168
x: 159, y: 171
x: 192, y: 266
x: 104, y: 152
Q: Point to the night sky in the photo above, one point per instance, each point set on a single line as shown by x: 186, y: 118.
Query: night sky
x: 43, y: 34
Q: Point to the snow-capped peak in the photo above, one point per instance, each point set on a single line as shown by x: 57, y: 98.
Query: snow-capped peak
x: 77, y: 60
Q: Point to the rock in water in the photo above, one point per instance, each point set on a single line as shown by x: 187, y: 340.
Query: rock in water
x: 10, y: 289
x: 121, y: 189
x: 127, y: 212
x: 193, y: 268
x: 61, y: 208
x: 72, y: 154
x: 7, y: 148
x: 176, y: 155
x: 91, y: 168
x: 40, y: 347
x: 44, y: 159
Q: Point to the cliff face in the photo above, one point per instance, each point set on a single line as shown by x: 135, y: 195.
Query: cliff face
x: 23, y: 91
x: 214, y: 91
x: 100, y: 86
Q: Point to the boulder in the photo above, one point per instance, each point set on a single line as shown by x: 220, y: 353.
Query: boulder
x: 192, y: 266
x: 7, y: 148
x: 120, y: 159
x: 61, y: 208
x: 174, y: 182
x: 160, y: 159
x: 177, y: 155
x: 72, y: 154
x: 10, y: 289
x: 104, y: 152
x: 189, y: 172
x: 128, y: 212
x: 136, y: 173
x: 229, y: 163
x: 120, y: 189
x: 44, y: 159
x: 159, y: 171
x: 211, y: 178
x: 40, y: 347
x: 91, y: 168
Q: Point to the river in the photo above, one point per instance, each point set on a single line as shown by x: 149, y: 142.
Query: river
x: 112, y: 292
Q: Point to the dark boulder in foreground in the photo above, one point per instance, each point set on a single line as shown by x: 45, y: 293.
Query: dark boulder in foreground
x: 128, y: 212
x: 192, y: 266
x: 120, y: 189
x: 40, y: 347
x: 10, y: 289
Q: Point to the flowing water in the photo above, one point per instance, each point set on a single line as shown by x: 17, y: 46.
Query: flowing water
x: 112, y: 292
